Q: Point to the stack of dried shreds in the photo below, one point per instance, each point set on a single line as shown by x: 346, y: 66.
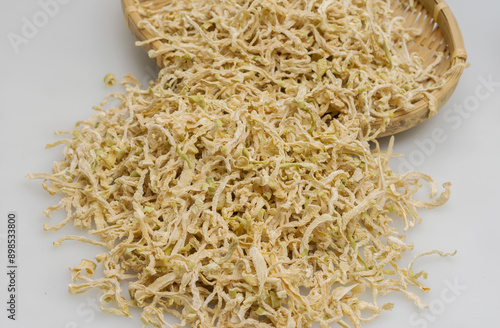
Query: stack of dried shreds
x: 243, y: 175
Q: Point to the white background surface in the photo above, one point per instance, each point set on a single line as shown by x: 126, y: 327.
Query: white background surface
x: 55, y: 78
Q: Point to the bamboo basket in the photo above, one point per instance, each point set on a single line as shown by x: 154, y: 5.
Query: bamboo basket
x: 441, y: 33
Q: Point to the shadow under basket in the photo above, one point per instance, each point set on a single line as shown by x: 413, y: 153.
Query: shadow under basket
x: 440, y: 33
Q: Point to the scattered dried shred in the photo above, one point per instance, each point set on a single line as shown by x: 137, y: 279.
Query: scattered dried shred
x: 110, y: 79
x: 243, y: 176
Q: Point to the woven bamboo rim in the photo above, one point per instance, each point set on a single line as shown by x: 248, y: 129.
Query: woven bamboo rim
x: 441, y: 33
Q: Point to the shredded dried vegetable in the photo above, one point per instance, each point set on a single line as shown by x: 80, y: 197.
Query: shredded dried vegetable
x: 229, y: 193
x: 351, y: 56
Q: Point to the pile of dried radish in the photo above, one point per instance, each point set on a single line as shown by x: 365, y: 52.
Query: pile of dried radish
x: 239, y: 189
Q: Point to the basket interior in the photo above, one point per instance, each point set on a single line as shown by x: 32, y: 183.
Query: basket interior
x: 431, y: 41
x: 444, y: 37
